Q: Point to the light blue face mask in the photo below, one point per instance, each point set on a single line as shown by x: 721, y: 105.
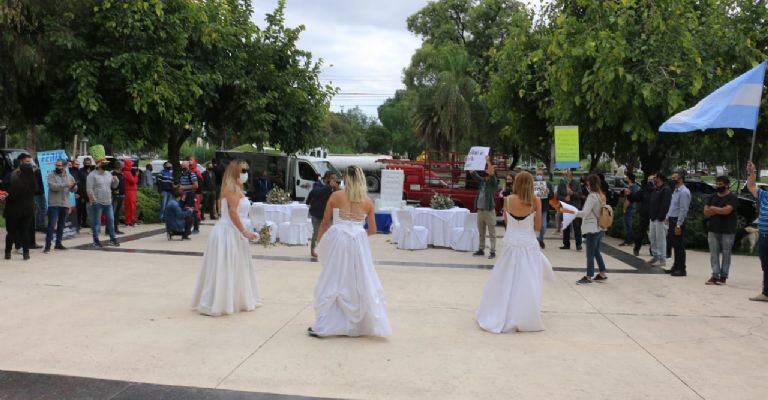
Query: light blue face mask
x: 539, y: 178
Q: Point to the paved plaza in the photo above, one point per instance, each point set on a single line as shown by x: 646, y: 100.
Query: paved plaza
x: 117, y: 323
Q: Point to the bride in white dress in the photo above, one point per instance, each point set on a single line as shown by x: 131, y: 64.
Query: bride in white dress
x: 512, y: 296
x: 349, y: 299
x: 227, y: 280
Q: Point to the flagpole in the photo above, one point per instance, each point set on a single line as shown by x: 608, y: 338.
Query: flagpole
x: 752, y: 149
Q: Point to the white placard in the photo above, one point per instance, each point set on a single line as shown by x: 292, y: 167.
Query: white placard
x: 540, y: 189
x: 476, y: 158
x: 568, y: 217
x: 391, y: 188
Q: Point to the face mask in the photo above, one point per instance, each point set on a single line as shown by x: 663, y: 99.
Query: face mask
x: 167, y: 168
x: 652, y: 182
x: 539, y: 178
x: 59, y: 170
x: 244, y: 177
x: 720, y: 189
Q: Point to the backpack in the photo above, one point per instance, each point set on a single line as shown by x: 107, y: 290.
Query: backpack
x: 605, y: 219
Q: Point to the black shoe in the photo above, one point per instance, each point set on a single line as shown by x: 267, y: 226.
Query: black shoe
x: 670, y: 271
x: 7, y: 255
x: 59, y: 247
x: 26, y: 256
x: 622, y: 244
x: 35, y: 247
x: 478, y: 253
x: 565, y: 247
x: 636, y: 253
x: 679, y: 272
x: 185, y: 237
x: 114, y: 243
x: 599, y: 277
x: 492, y: 255
x: 585, y: 280
x: 542, y: 245
x: 97, y: 245
x: 119, y: 232
x: 312, y: 333
x: 47, y: 249
x: 578, y: 247
x: 196, y: 231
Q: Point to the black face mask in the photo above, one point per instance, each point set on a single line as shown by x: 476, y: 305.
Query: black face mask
x: 167, y: 168
x: 59, y: 170
x: 721, y: 189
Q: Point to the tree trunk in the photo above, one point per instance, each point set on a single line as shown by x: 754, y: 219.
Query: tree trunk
x: 176, y: 139
x: 30, y: 139
x: 515, y: 157
x: 594, y: 158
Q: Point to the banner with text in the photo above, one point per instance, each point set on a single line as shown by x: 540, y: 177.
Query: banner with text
x: 476, y: 158
x: 567, y: 147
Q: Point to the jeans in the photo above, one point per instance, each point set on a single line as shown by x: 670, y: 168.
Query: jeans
x: 165, y: 197
x: 575, y: 226
x: 659, y: 240
x: 628, y: 231
x: 40, y: 210
x: 95, y: 213
x: 593, y: 252
x: 57, y: 217
x: 678, y: 244
x: 762, y: 252
x: 543, y: 229
x: 720, y: 243
x: 486, y: 219
x: 315, y: 229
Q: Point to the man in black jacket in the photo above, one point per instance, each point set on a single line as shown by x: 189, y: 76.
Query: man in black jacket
x: 643, y: 198
x: 81, y: 197
x: 660, y: 200
x: 569, y: 191
x: 317, y: 199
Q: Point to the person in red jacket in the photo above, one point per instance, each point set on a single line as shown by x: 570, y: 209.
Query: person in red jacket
x: 131, y: 179
x: 198, y: 198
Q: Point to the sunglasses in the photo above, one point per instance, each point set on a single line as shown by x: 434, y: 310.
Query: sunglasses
x: 244, y: 171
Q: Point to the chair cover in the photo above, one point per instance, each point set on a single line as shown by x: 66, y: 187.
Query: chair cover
x: 412, y: 237
x: 298, y: 230
x: 468, y: 237
x: 258, y: 217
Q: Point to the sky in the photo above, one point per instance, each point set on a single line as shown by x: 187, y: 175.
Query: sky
x: 364, y: 44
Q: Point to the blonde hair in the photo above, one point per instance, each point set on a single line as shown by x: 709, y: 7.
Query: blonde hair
x: 523, y: 187
x: 231, y: 180
x: 354, y: 184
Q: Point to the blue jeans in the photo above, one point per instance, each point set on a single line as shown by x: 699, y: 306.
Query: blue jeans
x: 762, y: 251
x: 628, y: 231
x: 720, y: 243
x: 95, y: 213
x: 57, y: 216
x: 165, y: 197
x: 593, y: 252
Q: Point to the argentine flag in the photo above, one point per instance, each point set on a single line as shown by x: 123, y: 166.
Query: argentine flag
x: 734, y: 105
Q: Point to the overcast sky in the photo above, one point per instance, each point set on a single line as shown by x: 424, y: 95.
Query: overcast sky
x: 364, y: 44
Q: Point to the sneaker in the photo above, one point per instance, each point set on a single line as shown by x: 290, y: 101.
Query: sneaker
x: 578, y: 247
x: 492, y: 255
x: 114, y: 243
x: 712, y: 281
x: 47, y: 249
x: 585, y: 280
x: 721, y: 281
x: 119, y: 233
x: 196, y: 231
x: 636, y: 253
x: 97, y: 245
x: 565, y: 247
x: 186, y: 238
x: 623, y: 244
x: 59, y: 247
x: 759, y: 297
x: 659, y: 263
x: 600, y: 277
x: 679, y: 272
x: 312, y: 333
x: 478, y: 253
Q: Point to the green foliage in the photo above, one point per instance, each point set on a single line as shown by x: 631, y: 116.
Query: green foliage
x: 148, y: 205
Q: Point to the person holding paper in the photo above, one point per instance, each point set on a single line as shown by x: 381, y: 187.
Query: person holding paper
x: 486, y: 206
x: 569, y: 191
x: 590, y: 214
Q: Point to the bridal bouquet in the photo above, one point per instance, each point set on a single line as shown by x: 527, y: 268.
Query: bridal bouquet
x: 265, y: 237
x: 441, y: 202
x: 278, y: 196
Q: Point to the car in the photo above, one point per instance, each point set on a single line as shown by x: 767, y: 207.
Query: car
x: 8, y: 163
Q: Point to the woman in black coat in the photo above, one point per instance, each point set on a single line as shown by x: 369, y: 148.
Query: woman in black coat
x: 19, y: 210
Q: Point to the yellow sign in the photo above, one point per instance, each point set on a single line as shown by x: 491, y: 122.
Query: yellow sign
x: 566, y: 147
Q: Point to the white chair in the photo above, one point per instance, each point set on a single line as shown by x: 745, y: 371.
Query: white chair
x: 468, y: 237
x: 394, y: 229
x: 297, y: 231
x: 258, y: 217
x: 412, y: 237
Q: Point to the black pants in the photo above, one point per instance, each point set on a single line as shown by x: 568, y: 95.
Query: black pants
x: 21, y: 232
x: 641, y: 231
x: 575, y: 226
x: 678, y: 245
x: 117, y: 208
x: 188, y: 221
x: 82, y: 211
x: 209, y: 203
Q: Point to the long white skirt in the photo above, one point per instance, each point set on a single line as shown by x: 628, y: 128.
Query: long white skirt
x: 349, y: 298
x: 512, y: 296
x: 227, y: 280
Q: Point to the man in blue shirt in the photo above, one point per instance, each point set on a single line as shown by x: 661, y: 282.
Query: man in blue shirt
x: 762, y: 224
x: 178, y: 221
x: 188, y: 184
x: 678, y: 211
x: 165, y: 186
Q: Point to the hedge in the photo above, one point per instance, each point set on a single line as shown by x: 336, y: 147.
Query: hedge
x: 148, y: 205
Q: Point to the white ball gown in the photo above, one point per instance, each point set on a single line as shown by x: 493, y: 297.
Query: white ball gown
x: 512, y: 296
x: 227, y: 280
x: 349, y: 298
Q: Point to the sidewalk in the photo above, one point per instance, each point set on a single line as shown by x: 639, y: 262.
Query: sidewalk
x: 124, y: 314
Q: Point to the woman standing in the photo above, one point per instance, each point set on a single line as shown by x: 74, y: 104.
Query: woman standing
x: 349, y: 299
x: 512, y: 296
x: 19, y: 210
x: 227, y: 280
x: 592, y: 230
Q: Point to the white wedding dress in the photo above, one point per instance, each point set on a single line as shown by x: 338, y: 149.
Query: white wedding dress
x: 512, y: 296
x: 227, y: 280
x: 349, y: 299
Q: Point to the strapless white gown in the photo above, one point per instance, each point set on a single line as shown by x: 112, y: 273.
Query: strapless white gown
x: 512, y: 296
x: 227, y: 280
x: 349, y: 298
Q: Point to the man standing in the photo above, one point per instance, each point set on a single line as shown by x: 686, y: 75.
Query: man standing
x: 643, y: 198
x: 544, y: 195
x: 99, y: 187
x: 188, y: 184
x: 263, y: 186
x: 721, y: 210
x: 569, y: 192
x: 209, y: 191
x: 147, y: 179
x: 317, y: 199
x: 41, y: 206
x: 485, y: 203
x: 74, y: 167
x: 762, y: 224
x: 165, y: 186
x: 81, y: 198
x: 629, y: 209
x: 118, y: 196
x: 659, y: 206
x: 60, y: 183
x: 678, y: 211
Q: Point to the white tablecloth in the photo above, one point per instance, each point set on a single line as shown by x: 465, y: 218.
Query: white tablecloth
x: 279, y: 213
x: 439, y: 223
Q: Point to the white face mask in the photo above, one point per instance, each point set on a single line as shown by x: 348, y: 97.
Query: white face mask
x: 243, y: 177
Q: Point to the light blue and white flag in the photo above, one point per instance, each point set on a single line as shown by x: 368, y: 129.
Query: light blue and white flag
x: 734, y: 105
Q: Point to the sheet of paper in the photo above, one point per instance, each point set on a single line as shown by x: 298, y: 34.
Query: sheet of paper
x: 568, y: 218
x: 476, y: 158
